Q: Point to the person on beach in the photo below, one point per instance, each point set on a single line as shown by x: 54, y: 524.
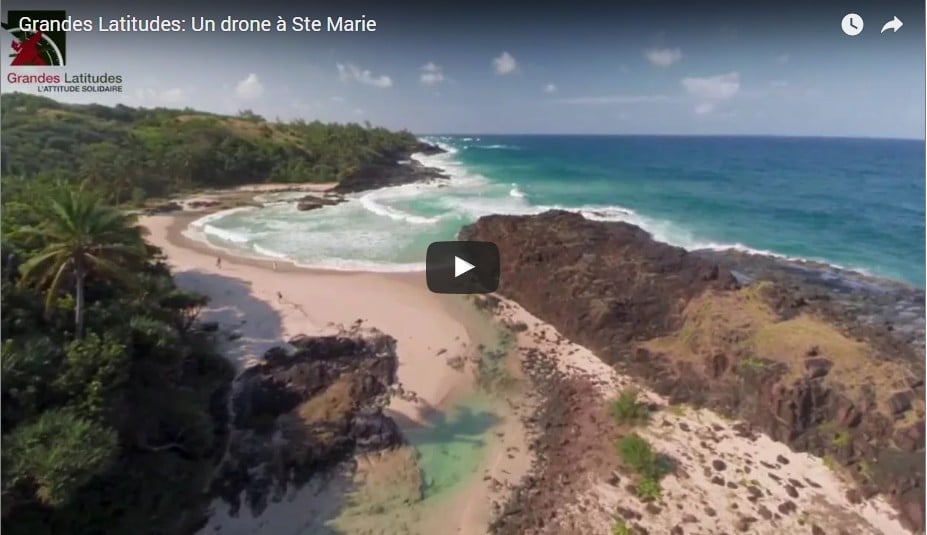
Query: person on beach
x: 279, y: 296
x: 219, y: 262
x: 275, y: 267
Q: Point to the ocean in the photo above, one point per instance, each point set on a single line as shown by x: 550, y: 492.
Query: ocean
x: 853, y: 203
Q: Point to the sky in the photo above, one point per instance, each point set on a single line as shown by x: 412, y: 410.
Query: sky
x: 780, y: 68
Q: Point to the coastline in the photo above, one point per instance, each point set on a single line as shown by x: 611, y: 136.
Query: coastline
x: 726, y: 476
x: 451, y: 326
x: 428, y: 329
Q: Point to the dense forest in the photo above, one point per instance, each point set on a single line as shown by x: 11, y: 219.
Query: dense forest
x: 134, y: 153
x: 113, y: 396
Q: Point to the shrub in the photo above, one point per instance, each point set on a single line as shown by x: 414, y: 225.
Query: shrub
x: 649, y: 488
x: 650, y: 467
x: 628, y: 410
x: 620, y: 528
x: 637, y: 453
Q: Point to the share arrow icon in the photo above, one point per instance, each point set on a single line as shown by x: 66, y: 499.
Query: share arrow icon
x: 894, y: 25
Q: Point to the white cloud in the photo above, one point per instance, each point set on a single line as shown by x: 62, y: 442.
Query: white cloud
x: 663, y: 57
x: 782, y: 59
x: 711, y: 90
x: 249, y: 88
x: 166, y: 97
x: 504, y: 64
x: 348, y: 71
x: 779, y: 83
x: 431, y: 74
x: 337, y: 98
x: 615, y: 99
x: 550, y: 88
x: 358, y: 111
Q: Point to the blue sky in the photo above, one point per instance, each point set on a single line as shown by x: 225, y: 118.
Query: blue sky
x: 785, y: 70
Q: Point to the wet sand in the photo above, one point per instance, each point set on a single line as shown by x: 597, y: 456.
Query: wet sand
x: 266, y: 302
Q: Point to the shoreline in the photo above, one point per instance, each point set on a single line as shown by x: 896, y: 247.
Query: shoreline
x: 735, y: 254
x: 830, y: 502
x: 428, y: 329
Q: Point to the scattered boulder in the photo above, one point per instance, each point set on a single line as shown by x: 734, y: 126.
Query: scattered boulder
x: 313, y: 202
x: 300, y: 412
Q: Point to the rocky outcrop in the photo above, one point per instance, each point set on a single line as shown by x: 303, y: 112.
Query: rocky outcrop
x: 604, y: 284
x: 427, y: 149
x: 164, y: 208
x: 302, y: 411
x: 394, y: 172
x: 313, y: 202
x: 831, y: 371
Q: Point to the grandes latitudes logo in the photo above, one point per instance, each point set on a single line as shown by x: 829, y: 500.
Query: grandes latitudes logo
x: 31, y: 47
x: 36, y: 48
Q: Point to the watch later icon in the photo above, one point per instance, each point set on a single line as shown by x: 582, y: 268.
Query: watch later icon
x: 894, y: 25
x: 852, y: 24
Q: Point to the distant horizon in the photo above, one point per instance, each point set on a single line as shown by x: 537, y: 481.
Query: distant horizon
x: 604, y: 134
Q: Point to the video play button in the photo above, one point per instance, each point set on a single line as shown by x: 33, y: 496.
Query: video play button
x: 462, y: 267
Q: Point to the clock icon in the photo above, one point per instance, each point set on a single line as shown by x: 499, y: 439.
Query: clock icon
x: 852, y: 24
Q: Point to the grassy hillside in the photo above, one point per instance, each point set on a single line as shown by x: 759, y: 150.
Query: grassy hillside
x: 136, y: 153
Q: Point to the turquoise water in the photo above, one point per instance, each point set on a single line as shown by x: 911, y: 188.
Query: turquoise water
x: 855, y: 203
x: 452, y: 446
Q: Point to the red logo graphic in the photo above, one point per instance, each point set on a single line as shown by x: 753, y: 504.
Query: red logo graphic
x: 27, y: 51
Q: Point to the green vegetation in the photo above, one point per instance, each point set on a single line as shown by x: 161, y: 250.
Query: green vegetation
x: 135, y: 154
x: 626, y: 409
x: 842, y: 439
x: 649, y: 488
x: 112, y: 402
x: 619, y: 527
x: 752, y: 363
x: 638, y: 455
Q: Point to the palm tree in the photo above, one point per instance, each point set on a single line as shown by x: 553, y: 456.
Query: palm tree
x: 80, y: 236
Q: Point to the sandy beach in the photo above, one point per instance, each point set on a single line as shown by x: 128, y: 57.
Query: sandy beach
x: 725, y: 479
x: 268, y: 302
x: 263, y: 303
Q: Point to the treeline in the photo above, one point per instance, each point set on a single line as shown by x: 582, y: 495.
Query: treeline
x: 113, y: 397
x: 137, y: 153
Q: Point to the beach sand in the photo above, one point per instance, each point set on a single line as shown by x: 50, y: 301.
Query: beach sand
x: 266, y: 302
x: 268, y: 306
x: 761, y: 485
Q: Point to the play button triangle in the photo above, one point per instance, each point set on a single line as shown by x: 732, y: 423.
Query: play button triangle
x: 461, y: 266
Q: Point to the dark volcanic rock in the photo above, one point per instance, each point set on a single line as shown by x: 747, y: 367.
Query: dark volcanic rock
x: 602, y: 284
x: 611, y: 287
x: 164, y: 208
x: 428, y: 149
x: 312, y: 202
x: 298, y: 413
x: 391, y: 173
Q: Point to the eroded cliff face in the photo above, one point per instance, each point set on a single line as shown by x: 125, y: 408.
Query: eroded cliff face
x: 813, y: 367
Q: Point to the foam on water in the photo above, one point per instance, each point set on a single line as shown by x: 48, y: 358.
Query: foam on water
x: 389, y: 229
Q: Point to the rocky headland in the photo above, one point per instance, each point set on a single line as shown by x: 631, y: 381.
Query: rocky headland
x: 825, y: 361
x: 304, y: 409
x: 390, y: 173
